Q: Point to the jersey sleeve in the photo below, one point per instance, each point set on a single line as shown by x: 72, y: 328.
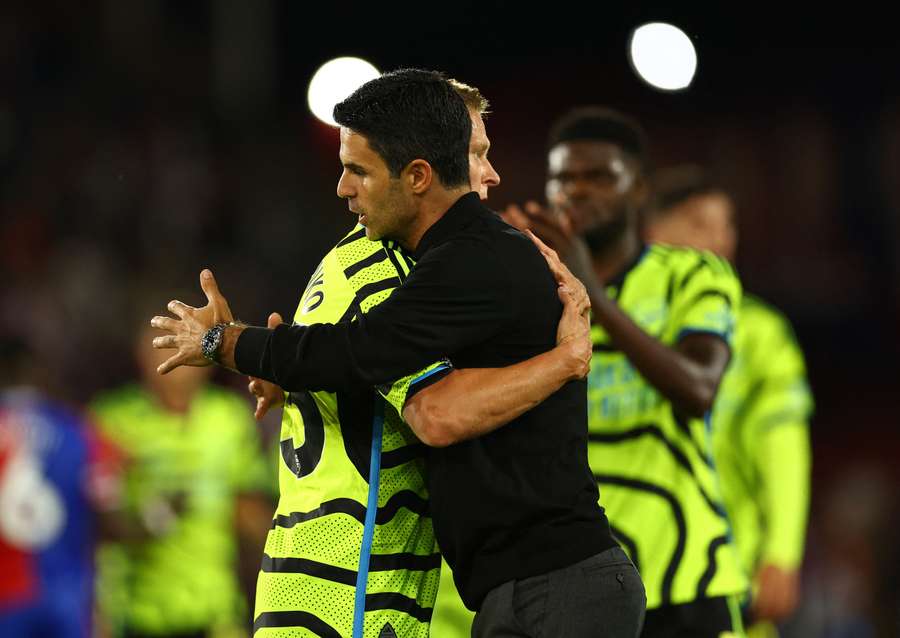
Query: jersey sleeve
x: 706, y: 298
x: 784, y: 396
x: 400, y: 391
x: 776, y: 424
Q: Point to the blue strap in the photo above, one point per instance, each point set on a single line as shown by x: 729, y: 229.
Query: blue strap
x: 362, y: 576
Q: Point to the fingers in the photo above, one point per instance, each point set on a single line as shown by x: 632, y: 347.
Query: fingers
x: 179, y: 309
x: 170, y: 364
x: 559, y: 270
x: 544, y: 248
x: 262, y: 407
x: 164, y: 323
x: 167, y: 341
x: 575, y: 298
x: 274, y: 320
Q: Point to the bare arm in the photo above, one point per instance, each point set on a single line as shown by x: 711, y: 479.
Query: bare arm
x: 472, y: 402
x: 687, y: 374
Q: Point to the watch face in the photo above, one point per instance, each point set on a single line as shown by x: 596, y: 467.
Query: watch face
x: 209, y: 343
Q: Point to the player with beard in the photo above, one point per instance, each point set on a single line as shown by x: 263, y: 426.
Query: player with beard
x: 663, y: 320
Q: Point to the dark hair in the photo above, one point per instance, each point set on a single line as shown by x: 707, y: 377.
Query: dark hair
x: 411, y: 114
x: 601, y: 124
x: 674, y: 186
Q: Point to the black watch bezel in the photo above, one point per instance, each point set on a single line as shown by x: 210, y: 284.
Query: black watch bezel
x: 211, y: 341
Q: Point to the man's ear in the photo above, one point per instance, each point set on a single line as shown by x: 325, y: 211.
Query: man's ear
x: 418, y: 174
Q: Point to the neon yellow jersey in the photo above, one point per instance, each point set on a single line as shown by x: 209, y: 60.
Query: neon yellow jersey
x: 451, y: 618
x: 761, y: 439
x: 654, y: 467
x: 348, y: 556
x: 184, y: 579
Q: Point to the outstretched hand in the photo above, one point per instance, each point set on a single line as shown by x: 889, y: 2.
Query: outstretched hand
x: 267, y: 394
x: 186, y: 331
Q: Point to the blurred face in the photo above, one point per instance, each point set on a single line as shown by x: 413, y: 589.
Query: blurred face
x: 377, y: 198
x: 704, y: 222
x: 595, y: 183
x: 482, y: 175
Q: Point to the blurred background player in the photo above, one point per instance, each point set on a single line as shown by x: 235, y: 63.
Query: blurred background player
x: 761, y: 417
x: 663, y: 324
x: 55, y: 476
x: 195, y: 496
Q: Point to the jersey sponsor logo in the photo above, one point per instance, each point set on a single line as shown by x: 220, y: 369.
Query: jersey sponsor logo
x: 616, y: 391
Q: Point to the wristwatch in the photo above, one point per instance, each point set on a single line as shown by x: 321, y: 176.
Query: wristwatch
x: 211, y: 341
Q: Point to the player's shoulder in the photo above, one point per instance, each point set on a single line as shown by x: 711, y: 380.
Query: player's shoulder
x: 219, y: 397
x: 121, y: 399
x: 356, y: 253
x: 35, y: 406
x: 684, y: 261
x: 355, y: 246
x: 765, y: 319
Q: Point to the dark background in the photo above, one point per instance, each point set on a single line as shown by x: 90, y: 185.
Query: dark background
x: 142, y: 141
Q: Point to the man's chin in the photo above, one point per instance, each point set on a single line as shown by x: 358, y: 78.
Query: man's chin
x: 372, y: 234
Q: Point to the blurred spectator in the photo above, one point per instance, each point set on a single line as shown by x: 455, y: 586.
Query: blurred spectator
x: 54, y: 476
x: 196, y: 494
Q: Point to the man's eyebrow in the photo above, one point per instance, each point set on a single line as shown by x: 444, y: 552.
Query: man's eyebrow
x: 353, y: 166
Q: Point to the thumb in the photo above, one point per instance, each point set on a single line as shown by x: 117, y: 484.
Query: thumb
x: 274, y: 320
x: 262, y: 406
x: 209, y: 286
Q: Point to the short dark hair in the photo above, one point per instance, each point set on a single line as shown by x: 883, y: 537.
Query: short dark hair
x: 411, y: 114
x: 675, y: 185
x: 601, y: 124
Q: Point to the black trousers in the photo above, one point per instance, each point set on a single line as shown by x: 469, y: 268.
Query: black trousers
x: 703, y: 618
x: 600, y: 596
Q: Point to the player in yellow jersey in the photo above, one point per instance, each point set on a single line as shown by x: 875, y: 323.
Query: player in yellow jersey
x: 663, y: 325
x: 761, y: 417
x: 355, y: 276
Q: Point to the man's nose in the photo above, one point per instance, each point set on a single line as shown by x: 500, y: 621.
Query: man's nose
x: 343, y: 187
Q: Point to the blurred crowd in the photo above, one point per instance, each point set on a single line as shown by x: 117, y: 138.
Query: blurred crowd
x: 136, y: 148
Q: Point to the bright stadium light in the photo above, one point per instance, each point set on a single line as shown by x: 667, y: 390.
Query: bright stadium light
x: 334, y: 81
x: 663, y: 56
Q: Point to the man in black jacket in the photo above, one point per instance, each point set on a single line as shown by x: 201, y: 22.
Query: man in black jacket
x: 515, y: 509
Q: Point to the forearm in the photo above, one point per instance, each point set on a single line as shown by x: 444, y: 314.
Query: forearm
x: 471, y: 402
x: 783, y: 461
x: 690, y: 386
x: 317, y: 357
